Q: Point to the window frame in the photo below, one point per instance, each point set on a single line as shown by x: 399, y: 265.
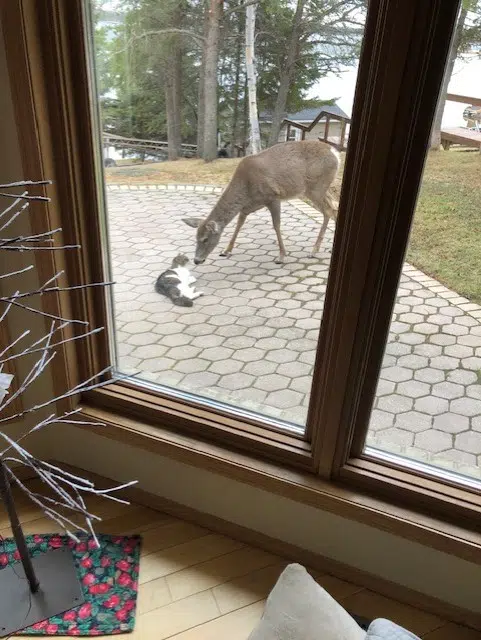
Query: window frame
x: 399, y: 77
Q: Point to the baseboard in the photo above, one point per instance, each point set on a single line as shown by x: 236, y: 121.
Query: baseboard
x: 309, y: 559
x: 288, y: 551
x: 293, y: 553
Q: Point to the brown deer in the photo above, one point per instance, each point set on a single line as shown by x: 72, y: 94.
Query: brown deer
x: 284, y: 171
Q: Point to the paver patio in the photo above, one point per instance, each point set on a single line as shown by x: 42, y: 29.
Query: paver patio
x: 251, y: 340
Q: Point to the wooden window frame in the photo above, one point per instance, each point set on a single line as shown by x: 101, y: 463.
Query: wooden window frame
x: 400, y: 73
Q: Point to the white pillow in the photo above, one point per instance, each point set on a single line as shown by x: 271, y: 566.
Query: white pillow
x: 299, y: 609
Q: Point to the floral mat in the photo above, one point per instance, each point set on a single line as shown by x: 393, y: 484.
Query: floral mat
x: 109, y: 578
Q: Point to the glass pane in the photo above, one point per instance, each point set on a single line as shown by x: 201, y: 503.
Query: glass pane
x: 173, y: 90
x: 428, y: 402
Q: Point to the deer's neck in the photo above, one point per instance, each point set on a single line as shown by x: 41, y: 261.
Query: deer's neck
x: 229, y: 204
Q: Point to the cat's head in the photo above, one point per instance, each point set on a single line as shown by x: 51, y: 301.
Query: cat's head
x: 181, y: 260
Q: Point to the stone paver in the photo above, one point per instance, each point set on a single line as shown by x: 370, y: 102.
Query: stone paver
x: 250, y: 341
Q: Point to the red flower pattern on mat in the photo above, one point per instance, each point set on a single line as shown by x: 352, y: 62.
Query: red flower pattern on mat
x: 109, y: 579
x: 40, y: 625
x: 129, y: 605
x: 124, y: 580
x: 70, y: 616
x: 89, y: 579
x: 112, y: 602
x: 97, y: 589
x: 85, y: 611
x: 56, y: 542
x: 123, y: 565
x: 121, y: 614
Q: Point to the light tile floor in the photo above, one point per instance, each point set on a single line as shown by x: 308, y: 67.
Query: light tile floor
x: 251, y: 340
x: 196, y: 584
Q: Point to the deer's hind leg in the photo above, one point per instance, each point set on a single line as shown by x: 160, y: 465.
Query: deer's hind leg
x: 275, y: 209
x: 240, y: 223
x: 328, y: 207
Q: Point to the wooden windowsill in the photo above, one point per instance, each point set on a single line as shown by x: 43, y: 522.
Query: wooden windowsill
x: 297, y: 485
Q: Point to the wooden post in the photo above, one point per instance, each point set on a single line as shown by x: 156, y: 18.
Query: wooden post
x: 343, y: 134
x: 326, y: 128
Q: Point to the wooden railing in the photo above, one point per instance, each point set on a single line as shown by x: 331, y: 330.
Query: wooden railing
x: 461, y: 135
x: 454, y: 97
x: 325, y: 138
x: 152, y: 146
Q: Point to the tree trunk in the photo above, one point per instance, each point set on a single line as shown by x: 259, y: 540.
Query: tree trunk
x: 172, y: 104
x: 211, y: 59
x: 173, y: 86
x: 453, y: 53
x: 245, y: 128
x: 235, y: 109
x: 287, y: 74
x: 255, y: 136
x: 201, y: 99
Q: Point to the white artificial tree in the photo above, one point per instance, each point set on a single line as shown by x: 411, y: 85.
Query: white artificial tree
x: 67, y: 491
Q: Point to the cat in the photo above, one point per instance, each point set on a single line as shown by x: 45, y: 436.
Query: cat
x: 176, y: 283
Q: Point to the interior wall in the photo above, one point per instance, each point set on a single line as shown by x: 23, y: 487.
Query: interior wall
x: 393, y: 558
x: 11, y: 170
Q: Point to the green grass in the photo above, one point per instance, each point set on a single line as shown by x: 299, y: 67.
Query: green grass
x: 445, y: 239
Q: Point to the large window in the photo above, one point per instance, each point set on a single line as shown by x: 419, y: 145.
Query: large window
x: 360, y: 364
x: 427, y: 407
x: 250, y: 341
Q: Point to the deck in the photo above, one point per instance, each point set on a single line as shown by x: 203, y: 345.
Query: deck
x: 460, y: 135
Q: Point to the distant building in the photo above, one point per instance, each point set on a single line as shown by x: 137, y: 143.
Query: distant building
x: 305, y: 117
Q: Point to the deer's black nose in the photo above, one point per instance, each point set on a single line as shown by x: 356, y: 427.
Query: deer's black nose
x: 198, y: 261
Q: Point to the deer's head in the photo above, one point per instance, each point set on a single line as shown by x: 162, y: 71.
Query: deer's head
x: 208, y: 236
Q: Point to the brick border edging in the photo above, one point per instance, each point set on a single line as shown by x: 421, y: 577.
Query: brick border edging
x: 197, y: 188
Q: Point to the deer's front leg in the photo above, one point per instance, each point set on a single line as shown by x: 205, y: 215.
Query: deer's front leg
x: 320, y: 237
x: 275, y: 209
x: 240, y: 221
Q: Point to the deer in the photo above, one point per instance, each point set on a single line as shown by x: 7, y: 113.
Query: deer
x: 287, y: 170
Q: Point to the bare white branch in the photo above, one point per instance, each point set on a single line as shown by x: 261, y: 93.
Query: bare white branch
x: 16, y: 273
x: 67, y: 491
x: 25, y: 183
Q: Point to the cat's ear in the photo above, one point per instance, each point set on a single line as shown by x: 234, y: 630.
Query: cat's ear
x: 212, y: 226
x: 192, y: 222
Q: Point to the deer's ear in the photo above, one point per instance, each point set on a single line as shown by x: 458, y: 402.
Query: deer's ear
x: 192, y: 222
x: 212, y: 226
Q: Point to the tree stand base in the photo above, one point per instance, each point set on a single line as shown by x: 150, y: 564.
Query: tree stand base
x: 59, y: 591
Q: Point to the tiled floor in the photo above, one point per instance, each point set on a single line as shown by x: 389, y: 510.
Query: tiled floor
x: 251, y: 340
x: 199, y: 585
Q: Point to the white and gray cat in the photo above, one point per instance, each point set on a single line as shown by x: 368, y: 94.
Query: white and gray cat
x: 176, y: 283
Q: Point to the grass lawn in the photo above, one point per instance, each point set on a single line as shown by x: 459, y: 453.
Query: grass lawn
x: 446, y: 236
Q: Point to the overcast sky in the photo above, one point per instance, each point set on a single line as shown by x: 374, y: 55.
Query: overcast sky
x: 466, y: 80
